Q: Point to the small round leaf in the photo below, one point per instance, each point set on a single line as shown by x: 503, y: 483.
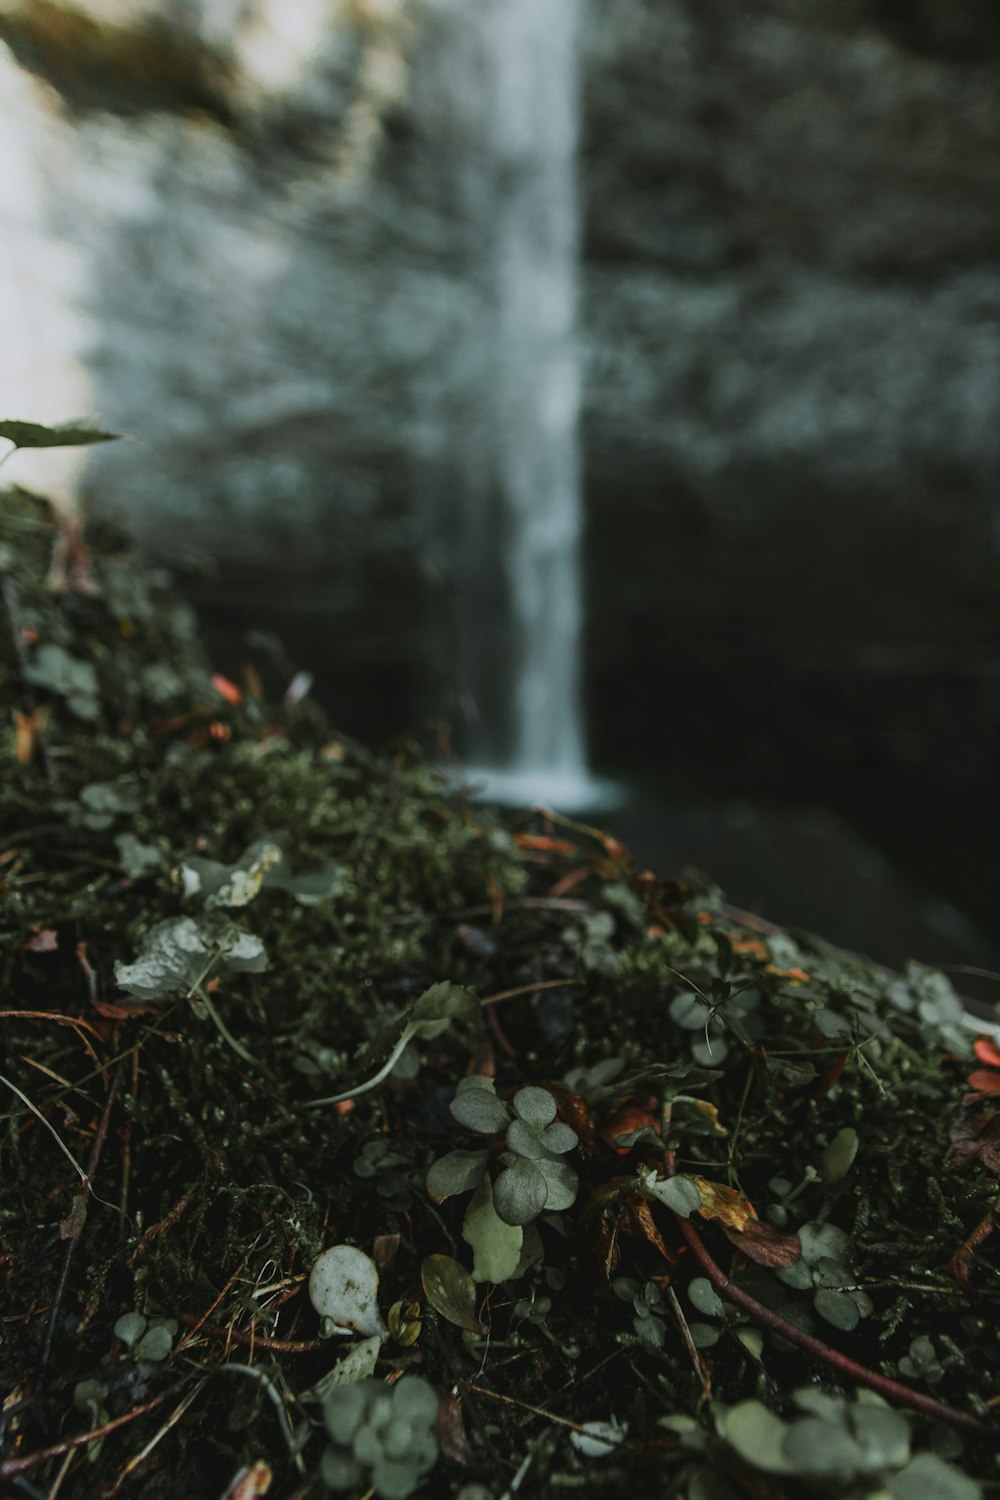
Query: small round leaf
x: 520, y: 1192
x: 838, y: 1308
x: 480, y: 1110
x: 534, y: 1106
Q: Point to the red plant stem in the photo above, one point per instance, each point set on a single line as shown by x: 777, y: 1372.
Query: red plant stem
x: 253, y: 1340
x: 892, y: 1390
x: 10, y: 1468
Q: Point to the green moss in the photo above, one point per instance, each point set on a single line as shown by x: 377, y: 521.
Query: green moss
x: 214, y: 1189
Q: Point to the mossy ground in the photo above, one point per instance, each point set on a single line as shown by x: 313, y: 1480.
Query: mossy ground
x: 211, y: 1188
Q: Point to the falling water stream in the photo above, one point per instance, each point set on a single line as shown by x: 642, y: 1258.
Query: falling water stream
x: 523, y: 656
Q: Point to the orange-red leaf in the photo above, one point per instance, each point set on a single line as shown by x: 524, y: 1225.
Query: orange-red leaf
x: 723, y: 1203
x: 226, y: 689
x: 986, y: 1050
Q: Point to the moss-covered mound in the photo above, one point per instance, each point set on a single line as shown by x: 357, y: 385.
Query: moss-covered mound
x: 644, y: 1198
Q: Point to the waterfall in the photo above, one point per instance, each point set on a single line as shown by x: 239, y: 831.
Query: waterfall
x: 515, y: 80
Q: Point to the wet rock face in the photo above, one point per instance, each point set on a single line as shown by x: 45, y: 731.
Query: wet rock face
x: 792, y: 324
x: 790, y: 316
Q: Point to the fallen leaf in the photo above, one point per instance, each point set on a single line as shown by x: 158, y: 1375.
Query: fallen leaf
x: 725, y: 1204
x: 764, y: 1244
x: 451, y: 1291
x: 449, y: 1429
x: 987, y: 1051
x: 975, y: 1136
x: 984, y: 1081
x: 641, y: 1223
x: 226, y: 689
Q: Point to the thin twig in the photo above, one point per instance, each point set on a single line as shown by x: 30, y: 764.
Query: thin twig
x: 892, y: 1390
x: 74, y: 1238
x: 11, y: 1467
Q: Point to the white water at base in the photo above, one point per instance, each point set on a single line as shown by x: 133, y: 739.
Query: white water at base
x: 561, y: 791
x: 521, y: 188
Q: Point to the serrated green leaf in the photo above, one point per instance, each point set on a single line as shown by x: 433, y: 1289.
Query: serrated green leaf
x: 438, y: 1007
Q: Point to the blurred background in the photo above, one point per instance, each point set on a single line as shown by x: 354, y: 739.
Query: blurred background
x: 606, y: 390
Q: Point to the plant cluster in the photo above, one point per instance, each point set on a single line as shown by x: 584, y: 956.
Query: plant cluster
x: 380, y: 1437
x: 610, y: 1192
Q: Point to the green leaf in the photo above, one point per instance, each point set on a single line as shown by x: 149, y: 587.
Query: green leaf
x: 819, y: 1240
x: 677, y: 1193
x: 521, y: 1192
x: 455, y: 1173
x: 71, y: 435
x: 414, y: 1400
x: 357, y: 1364
x: 561, y: 1183
x: 57, y: 671
x: 346, y: 1407
x: 929, y: 1475
x: 451, y: 1291
x: 238, y: 884
x: 496, y: 1245
x: 838, y: 1308
x: 130, y: 1327
x: 137, y: 859
x: 155, y: 1345
x: 821, y: 1448
x: 559, y: 1138
x: 535, y: 1106
x: 838, y: 1158
x: 178, y: 955
x: 312, y: 886
x: 480, y: 1110
x: 757, y: 1435
x: 439, y: 1006
x: 883, y: 1435
x: 705, y: 1298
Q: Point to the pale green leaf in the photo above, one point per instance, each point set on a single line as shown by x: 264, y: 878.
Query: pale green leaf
x: 455, y: 1173
x: 496, y: 1246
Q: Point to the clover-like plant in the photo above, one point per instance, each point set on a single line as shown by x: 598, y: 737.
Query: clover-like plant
x: 380, y: 1436
x: 824, y: 1270
x: 532, y: 1177
x: 181, y: 955
x: 860, y: 1444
